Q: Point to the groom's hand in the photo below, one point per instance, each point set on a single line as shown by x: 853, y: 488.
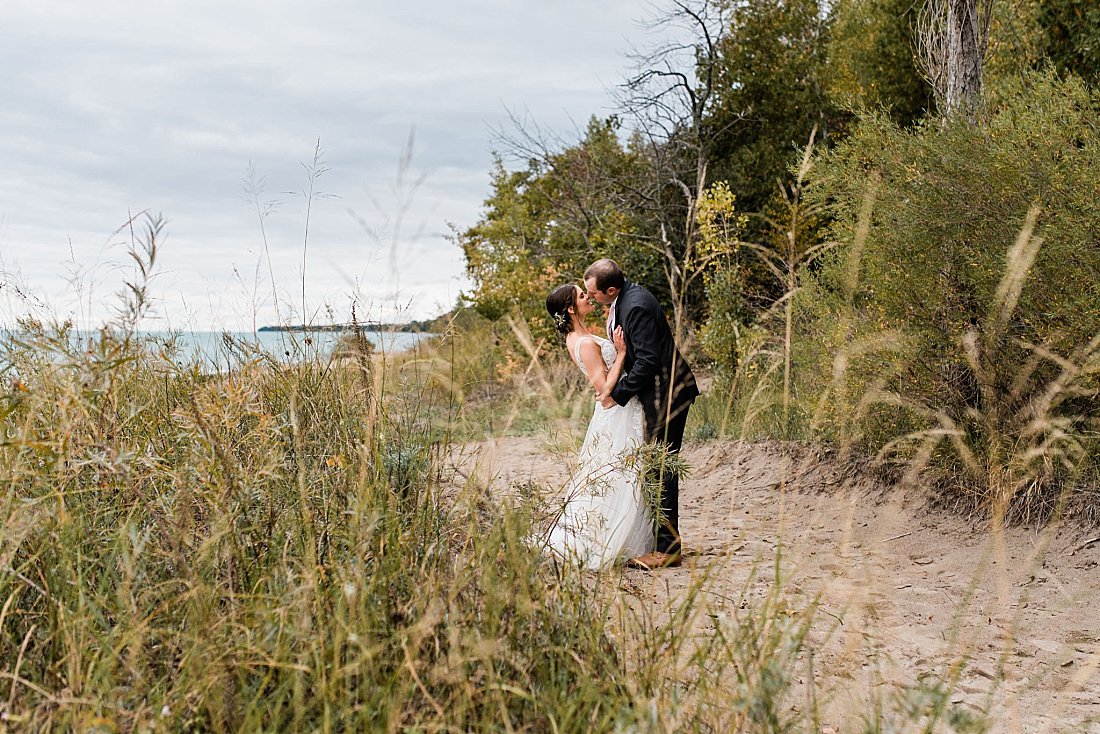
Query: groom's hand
x: 607, y: 401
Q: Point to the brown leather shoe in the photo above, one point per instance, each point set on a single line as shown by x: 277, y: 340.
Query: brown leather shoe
x: 654, y: 560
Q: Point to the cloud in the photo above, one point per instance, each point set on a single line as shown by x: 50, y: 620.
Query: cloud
x: 111, y: 108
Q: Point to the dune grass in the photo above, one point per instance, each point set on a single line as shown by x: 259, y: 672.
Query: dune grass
x: 272, y: 548
x: 285, y: 548
x: 288, y: 548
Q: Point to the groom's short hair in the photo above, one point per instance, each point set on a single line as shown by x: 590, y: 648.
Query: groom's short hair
x: 607, y: 274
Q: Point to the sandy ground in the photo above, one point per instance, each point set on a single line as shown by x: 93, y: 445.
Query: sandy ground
x: 903, y: 591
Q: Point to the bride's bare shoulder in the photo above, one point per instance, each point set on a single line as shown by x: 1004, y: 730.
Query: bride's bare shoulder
x: 572, y: 338
x: 582, y: 344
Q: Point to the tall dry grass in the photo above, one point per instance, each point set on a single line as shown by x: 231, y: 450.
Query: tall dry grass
x: 275, y: 547
x: 261, y: 549
x: 282, y: 548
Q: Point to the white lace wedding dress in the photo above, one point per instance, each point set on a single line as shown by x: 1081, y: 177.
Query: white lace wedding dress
x: 603, y: 516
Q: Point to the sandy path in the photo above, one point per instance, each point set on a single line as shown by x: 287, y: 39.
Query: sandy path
x: 918, y: 591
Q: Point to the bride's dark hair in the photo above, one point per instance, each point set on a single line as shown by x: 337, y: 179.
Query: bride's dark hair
x: 558, y: 303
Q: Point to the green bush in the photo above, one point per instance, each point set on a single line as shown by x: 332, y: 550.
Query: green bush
x: 951, y: 334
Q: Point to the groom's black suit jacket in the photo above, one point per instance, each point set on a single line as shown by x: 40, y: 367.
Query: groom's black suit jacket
x: 654, y: 370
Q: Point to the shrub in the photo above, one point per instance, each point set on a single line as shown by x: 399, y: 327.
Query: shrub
x: 990, y: 344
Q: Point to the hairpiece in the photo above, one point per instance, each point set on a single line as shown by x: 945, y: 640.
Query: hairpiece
x: 559, y: 319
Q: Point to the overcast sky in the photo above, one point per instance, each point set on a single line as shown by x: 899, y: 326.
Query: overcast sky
x: 109, y: 108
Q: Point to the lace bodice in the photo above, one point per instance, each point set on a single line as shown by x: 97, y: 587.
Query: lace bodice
x: 607, y: 351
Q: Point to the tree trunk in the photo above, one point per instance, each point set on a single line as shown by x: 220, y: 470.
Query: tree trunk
x: 964, y: 59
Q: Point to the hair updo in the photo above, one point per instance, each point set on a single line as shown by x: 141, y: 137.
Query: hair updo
x: 558, y: 303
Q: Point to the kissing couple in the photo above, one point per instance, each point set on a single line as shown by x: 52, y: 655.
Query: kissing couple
x: 644, y: 389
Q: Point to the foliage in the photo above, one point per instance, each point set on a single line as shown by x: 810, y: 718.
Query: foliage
x: 1015, y: 44
x: 542, y: 225
x: 871, y: 59
x: 507, y: 253
x: 720, y: 228
x: 790, y: 248
x: 1063, y: 35
x: 773, y: 80
x: 989, y: 340
x: 1070, y: 36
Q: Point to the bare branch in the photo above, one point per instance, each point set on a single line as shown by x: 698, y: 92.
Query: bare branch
x: 952, y: 42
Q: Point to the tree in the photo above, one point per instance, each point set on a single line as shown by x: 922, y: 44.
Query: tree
x: 771, y: 77
x: 872, y: 55
x: 502, y: 248
x: 1071, y: 36
x: 953, y: 38
x: 670, y: 107
x: 772, y: 93
x: 544, y: 223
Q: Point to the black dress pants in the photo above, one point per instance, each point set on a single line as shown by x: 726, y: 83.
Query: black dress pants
x: 668, y: 520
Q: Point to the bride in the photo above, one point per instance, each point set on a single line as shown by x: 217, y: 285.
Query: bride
x: 603, y: 517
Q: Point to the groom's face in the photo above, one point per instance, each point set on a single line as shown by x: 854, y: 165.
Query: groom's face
x: 604, y: 298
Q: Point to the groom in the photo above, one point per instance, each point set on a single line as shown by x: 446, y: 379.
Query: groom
x: 657, y: 373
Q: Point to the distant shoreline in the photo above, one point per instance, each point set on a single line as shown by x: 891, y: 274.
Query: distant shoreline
x: 414, y: 327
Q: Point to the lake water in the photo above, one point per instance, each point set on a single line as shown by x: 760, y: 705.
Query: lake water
x: 221, y: 350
